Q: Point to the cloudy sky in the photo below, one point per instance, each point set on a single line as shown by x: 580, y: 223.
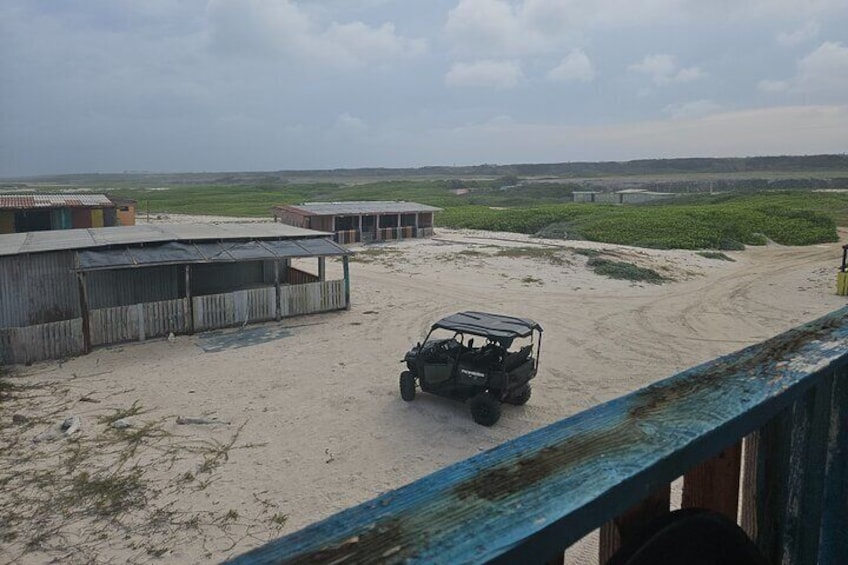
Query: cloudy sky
x: 217, y: 85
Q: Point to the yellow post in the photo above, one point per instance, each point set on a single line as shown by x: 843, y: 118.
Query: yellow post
x: 842, y: 283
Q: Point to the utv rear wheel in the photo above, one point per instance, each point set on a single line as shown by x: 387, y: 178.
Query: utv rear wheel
x: 485, y: 409
x: 407, y: 386
x: 520, y: 397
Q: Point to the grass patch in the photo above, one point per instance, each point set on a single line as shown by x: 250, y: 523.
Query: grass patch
x: 550, y: 255
x: 121, y: 413
x: 715, y: 255
x: 107, y: 495
x: 624, y: 271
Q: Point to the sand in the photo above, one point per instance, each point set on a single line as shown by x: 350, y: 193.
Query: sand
x: 312, y: 422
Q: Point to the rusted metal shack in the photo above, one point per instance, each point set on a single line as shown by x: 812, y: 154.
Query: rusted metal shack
x: 363, y: 221
x: 37, y: 212
x: 62, y: 293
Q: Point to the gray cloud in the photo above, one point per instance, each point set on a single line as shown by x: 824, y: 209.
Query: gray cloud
x: 111, y: 85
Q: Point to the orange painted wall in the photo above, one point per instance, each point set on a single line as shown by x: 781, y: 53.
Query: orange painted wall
x: 126, y: 215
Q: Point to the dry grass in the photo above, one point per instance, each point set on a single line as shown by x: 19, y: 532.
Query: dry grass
x: 104, y: 491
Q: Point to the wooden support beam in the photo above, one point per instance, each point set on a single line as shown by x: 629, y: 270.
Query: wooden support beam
x: 322, y: 269
x: 783, y: 493
x: 631, y: 525
x: 278, y: 312
x: 86, y: 321
x: 764, y: 494
x: 833, y: 544
x: 189, y: 299
x: 807, y: 460
x: 714, y: 484
x: 346, y: 268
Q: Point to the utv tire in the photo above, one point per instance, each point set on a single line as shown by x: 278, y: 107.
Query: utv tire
x: 407, y: 386
x: 485, y: 409
x: 520, y: 396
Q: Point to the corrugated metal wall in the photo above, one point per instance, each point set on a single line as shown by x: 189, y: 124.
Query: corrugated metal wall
x: 124, y: 287
x: 37, y: 289
x: 224, y: 277
x: 42, y: 288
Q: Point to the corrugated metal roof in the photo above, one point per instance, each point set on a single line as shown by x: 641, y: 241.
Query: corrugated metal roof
x: 176, y: 252
x: 24, y: 201
x: 361, y: 207
x: 87, y: 238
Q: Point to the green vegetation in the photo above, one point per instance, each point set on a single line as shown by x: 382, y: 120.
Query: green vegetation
x: 726, y: 222
x: 625, y: 271
x: 537, y: 199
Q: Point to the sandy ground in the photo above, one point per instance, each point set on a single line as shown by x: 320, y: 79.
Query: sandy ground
x: 312, y: 422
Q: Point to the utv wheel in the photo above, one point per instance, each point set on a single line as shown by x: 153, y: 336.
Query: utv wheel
x: 520, y: 397
x: 407, y: 386
x: 485, y: 410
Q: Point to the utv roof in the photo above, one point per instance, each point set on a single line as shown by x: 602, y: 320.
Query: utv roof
x: 495, y: 326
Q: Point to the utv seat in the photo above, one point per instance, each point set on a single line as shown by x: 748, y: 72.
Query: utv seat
x: 515, y: 359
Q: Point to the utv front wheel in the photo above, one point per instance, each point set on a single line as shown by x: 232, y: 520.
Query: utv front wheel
x: 407, y: 386
x: 520, y: 397
x: 485, y: 409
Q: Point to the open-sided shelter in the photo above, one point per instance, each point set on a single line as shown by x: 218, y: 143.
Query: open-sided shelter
x: 62, y: 293
x: 363, y: 221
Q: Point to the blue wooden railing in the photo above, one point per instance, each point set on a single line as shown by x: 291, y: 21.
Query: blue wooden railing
x: 610, y: 467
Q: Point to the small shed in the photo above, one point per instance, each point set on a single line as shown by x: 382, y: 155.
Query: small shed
x: 62, y: 293
x: 40, y: 212
x: 362, y: 221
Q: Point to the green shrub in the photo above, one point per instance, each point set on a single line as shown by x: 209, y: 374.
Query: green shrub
x: 626, y: 271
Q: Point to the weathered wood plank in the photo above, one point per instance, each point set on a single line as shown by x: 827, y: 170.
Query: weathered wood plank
x: 533, y: 496
x: 807, y: 457
x: 630, y: 526
x: 714, y: 484
x: 833, y: 543
x: 39, y: 342
x: 766, y: 502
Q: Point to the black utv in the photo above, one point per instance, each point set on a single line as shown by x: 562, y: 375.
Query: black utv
x: 478, y: 357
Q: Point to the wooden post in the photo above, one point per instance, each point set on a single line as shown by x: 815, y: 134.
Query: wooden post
x: 714, y: 484
x: 833, y: 545
x: 346, y: 268
x: 139, y: 318
x: 322, y: 269
x: 764, y: 494
x: 807, y: 461
x: 189, y: 299
x: 86, y: 322
x: 278, y: 313
x: 631, y: 525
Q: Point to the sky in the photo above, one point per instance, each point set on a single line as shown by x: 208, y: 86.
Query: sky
x: 267, y: 85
